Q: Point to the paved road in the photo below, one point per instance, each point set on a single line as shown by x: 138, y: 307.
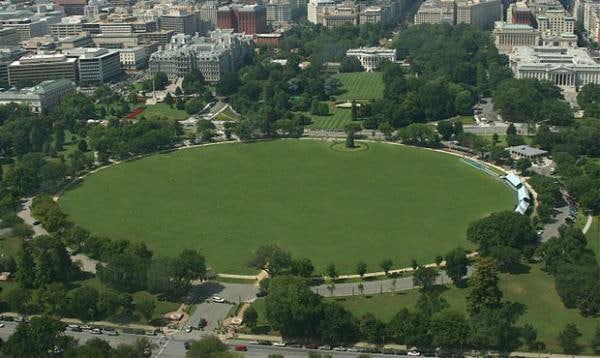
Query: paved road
x: 380, y: 286
x: 9, y: 328
x: 25, y: 214
x: 212, y: 312
x: 559, y: 219
x: 87, y: 264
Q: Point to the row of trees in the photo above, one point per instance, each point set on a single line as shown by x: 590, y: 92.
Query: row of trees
x: 126, y: 266
x: 294, y: 310
x: 45, y: 337
x: 575, y: 270
x: 530, y: 100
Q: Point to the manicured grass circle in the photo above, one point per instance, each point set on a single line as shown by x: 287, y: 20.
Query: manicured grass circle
x: 225, y: 200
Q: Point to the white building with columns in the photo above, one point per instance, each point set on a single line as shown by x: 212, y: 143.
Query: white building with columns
x: 507, y: 36
x: 568, y: 68
x: 371, y: 57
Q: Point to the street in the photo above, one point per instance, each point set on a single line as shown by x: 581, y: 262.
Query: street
x: 122, y: 338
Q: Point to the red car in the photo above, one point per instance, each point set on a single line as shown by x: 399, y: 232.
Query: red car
x: 241, y: 348
x: 311, y: 346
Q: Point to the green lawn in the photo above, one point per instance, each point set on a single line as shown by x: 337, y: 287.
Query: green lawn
x: 10, y: 245
x: 226, y: 200
x: 337, y: 118
x: 360, y: 86
x: 536, y: 290
x: 163, y: 110
x: 227, y: 115
x: 593, y: 237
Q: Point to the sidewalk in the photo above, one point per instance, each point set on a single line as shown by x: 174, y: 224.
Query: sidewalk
x: 380, y: 286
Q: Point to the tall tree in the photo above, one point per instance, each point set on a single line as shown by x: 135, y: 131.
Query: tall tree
x: 568, y: 338
x: 39, y: 338
x: 484, y: 287
x: 456, y: 264
x: 292, y: 308
x: 272, y: 259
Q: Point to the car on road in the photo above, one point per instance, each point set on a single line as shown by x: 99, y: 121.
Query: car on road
x: 86, y: 327
x: 325, y: 347
x: 76, y: 329
x: 1, y: 325
x: 151, y: 333
x: 241, y: 348
x: 340, y: 349
x: 112, y: 333
x: 35, y: 223
x: 96, y: 331
x: 413, y: 353
x: 217, y: 299
x: 311, y: 346
x: 279, y: 344
x: 189, y: 329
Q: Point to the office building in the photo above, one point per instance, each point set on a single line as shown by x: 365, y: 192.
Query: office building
x: 9, y: 37
x: 39, y: 68
x: 25, y: 27
x: 69, y: 26
x: 247, y: 19
x: 221, y: 51
x: 72, y: 7
x: 520, y: 13
x: 160, y: 37
x: 569, y: 68
x: 133, y: 59
x: 375, y: 14
x: 435, y: 12
x: 371, y: 57
x: 179, y: 21
x: 478, y: 13
x: 40, y: 98
x: 278, y: 12
x: 556, y: 22
x: 208, y: 13
x: 71, y: 42
x: 96, y: 65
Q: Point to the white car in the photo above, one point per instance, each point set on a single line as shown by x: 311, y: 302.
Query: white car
x: 1, y: 325
x: 189, y: 329
x: 279, y: 344
x: 413, y: 354
x: 217, y: 299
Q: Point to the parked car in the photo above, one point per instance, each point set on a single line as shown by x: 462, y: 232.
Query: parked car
x: 76, y: 329
x: 86, y: 327
x: 413, y: 353
x: 96, y: 331
x: 189, y: 329
x: 217, y: 299
x: 340, y: 349
x: 1, y: 325
x: 241, y: 348
x: 151, y: 333
x: 311, y: 346
x: 325, y: 347
x: 112, y: 333
x: 279, y: 344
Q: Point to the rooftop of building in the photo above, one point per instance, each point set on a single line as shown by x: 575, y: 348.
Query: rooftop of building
x: 527, y: 151
x: 43, y: 58
x: 551, y: 56
x: 37, y: 90
x: 501, y: 25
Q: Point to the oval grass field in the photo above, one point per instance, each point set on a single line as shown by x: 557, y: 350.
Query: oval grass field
x: 225, y: 200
